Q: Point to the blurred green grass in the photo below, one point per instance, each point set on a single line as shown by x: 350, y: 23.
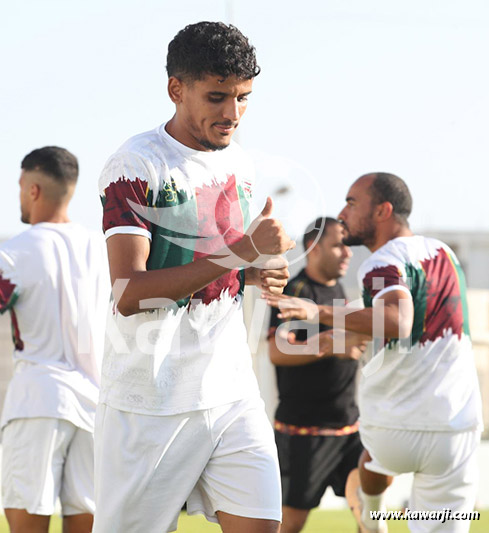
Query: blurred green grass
x: 319, y: 522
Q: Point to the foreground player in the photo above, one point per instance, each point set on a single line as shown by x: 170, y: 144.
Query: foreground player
x: 316, y: 422
x: 180, y: 418
x: 420, y: 408
x: 54, y: 281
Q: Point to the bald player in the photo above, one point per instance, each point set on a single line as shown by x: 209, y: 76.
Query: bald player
x: 419, y: 399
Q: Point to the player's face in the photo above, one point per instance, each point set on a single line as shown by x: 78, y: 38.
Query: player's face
x: 357, y: 215
x: 25, y: 198
x: 209, y: 110
x: 334, y: 255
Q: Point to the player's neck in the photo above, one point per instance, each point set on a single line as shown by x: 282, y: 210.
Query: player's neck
x: 176, y: 129
x: 319, y: 277
x: 54, y: 215
x: 384, y: 235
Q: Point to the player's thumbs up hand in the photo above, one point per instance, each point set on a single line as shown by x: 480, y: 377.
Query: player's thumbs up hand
x: 267, y: 235
x: 267, y: 210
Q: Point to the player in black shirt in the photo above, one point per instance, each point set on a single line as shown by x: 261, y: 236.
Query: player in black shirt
x: 316, y: 422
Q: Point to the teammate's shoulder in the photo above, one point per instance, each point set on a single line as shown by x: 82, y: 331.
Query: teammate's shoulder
x: 17, y: 240
x: 29, y: 234
x: 393, y: 252
x: 142, y: 143
x: 298, y: 286
x: 417, y: 248
x: 27, y: 246
x: 140, y: 148
x: 432, y: 243
x: 387, y: 260
x: 76, y: 229
x: 136, y: 159
x: 340, y: 289
x: 433, y: 247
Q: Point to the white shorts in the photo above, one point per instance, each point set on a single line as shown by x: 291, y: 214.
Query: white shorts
x: 43, y: 459
x: 147, y: 467
x: 444, y: 465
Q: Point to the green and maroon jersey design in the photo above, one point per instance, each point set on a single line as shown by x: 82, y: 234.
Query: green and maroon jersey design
x: 434, y: 278
x: 183, y: 225
x: 8, y: 294
x: 8, y: 297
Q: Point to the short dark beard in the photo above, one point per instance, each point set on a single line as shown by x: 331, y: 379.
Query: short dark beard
x: 366, y: 237
x: 210, y: 146
x: 357, y: 240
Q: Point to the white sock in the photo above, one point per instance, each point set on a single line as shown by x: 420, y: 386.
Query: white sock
x: 374, y: 502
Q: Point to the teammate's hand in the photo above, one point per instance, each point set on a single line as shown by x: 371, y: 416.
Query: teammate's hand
x: 324, y: 342
x: 274, y: 275
x: 353, y: 344
x: 291, y: 307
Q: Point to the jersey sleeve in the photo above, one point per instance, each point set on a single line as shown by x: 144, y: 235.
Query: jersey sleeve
x: 9, y: 291
x: 379, y: 278
x: 127, y: 182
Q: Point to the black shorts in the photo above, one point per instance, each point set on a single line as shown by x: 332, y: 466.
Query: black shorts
x: 310, y: 464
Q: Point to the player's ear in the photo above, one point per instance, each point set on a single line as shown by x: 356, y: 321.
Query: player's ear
x: 310, y: 248
x: 384, y: 211
x: 34, y: 191
x: 175, y: 89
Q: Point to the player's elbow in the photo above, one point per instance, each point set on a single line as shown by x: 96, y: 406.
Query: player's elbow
x: 276, y: 357
x: 125, y: 311
x: 126, y: 307
x: 398, y: 320
x: 405, y: 329
x: 404, y: 332
x: 398, y: 329
x: 273, y: 354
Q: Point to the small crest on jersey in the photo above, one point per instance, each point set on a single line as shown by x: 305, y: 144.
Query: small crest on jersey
x: 247, y: 188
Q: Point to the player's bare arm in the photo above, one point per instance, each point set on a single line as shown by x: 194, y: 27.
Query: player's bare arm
x: 354, y: 347
x: 303, y: 353
x: 394, y: 309
x: 128, y: 255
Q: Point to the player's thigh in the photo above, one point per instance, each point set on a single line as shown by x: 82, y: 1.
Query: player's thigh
x: 145, y: 468
x: 34, y: 451
x: 392, y: 451
x: 307, y: 467
x: 447, y: 480
x: 350, y: 452
x: 77, y: 487
x: 242, y: 477
x: 239, y: 524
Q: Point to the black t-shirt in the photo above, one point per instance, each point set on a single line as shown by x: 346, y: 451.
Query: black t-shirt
x: 320, y: 393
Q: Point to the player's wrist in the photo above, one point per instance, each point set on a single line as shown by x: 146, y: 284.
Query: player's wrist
x: 252, y: 276
x: 326, y: 315
x: 245, y: 250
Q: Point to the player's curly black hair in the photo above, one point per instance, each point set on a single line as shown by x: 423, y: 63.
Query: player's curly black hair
x: 211, y: 48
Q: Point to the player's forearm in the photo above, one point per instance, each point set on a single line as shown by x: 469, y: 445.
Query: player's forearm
x: 380, y: 321
x: 150, y: 289
x: 279, y: 358
x: 252, y: 276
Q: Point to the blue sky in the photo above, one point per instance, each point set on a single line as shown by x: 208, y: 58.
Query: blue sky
x: 347, y: 87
